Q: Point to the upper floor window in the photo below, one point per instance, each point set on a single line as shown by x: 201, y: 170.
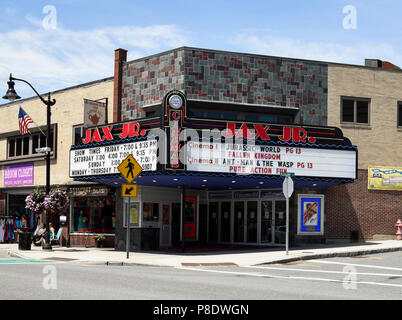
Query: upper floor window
x: 400, y: 114
x: 25, y: 146
x: 78, y: 134
x: 355, y: 110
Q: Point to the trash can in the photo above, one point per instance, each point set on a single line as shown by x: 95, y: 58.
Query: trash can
x: 24, y: 240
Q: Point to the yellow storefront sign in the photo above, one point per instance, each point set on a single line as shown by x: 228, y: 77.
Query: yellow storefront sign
x: 385, y: 178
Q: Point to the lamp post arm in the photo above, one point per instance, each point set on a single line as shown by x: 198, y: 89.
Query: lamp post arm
x: 49, y: 102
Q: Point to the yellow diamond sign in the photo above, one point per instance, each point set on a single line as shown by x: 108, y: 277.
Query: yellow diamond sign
x: 129, y: 168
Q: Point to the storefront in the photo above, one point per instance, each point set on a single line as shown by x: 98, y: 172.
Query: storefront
x: 18, y: 183
x: 92, y: 212
x: 222, y: 176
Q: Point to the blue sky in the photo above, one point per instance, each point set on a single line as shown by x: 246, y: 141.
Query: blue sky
x: 80, y: 45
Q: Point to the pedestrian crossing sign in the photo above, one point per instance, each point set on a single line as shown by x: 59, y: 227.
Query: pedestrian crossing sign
x: 130, y: 168
x: 129, y: 190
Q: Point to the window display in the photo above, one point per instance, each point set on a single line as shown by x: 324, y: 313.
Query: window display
x: 150, y: 212
x: 94, y: 214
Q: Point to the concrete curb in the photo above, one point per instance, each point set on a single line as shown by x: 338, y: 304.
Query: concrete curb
x: 333, y: 255
x: 14, y: 254
x: 118, y: 263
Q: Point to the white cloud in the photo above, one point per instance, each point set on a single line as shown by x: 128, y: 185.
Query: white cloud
x: 255, y: 42
x: 55, y: 59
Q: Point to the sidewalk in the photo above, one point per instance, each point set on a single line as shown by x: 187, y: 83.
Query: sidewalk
x: 95, y: 256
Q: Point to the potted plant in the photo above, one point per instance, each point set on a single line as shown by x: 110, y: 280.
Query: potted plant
x: 99, y: 240
x: 56, y: 201
x: 35, y: 201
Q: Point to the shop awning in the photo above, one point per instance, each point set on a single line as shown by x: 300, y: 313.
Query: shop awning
x: 213, y: 181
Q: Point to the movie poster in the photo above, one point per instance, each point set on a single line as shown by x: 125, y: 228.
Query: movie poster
x: 310, y: 214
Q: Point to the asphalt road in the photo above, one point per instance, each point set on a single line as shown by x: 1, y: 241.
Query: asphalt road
x: 370, y: 277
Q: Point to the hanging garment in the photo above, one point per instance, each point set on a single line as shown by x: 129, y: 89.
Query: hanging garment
x: 5, y: 229
x: 10, y: 229
x: 1, y: 231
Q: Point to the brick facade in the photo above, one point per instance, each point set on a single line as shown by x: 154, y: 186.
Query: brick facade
x: 83, y: 240
x: 352, y: 207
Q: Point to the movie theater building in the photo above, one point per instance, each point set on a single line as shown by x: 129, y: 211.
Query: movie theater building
x: 23, y: 168
x: 213, y: 132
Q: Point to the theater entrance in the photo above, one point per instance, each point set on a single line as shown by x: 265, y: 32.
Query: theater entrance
x: 251, y: 221
x: 273, y: 222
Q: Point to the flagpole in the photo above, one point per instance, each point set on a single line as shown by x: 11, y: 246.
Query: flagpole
x: 39, y: 128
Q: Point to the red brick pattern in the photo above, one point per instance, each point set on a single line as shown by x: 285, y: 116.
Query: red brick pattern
x: 352, y: 207
x: 82, y: 240
x: 119, y: 57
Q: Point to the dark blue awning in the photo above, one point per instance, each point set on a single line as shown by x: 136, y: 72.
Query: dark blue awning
x: 213, y: 181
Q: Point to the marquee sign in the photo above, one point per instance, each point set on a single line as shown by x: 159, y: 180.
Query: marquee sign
x: 174, y: 112
x: 263, y: 132
x: 119, y: 131
x: 232, y: 147
x: 270, y: 160
x: 104, y: 160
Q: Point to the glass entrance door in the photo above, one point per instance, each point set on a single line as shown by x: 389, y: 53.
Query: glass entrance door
x: 267, y: 220
x: 252, y: 221
x: 238, y: 221
x: 280, y: 221
x: 273, y: 221
x: 213, y: 222
x: 225, y: 221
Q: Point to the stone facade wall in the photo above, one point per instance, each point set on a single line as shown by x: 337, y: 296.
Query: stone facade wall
x: 227, y: 77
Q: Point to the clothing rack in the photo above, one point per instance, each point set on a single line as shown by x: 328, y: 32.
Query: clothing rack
x: 10, y: 236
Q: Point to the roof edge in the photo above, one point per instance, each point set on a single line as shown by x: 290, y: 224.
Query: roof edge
x: 328, y: 63
x: 59, y: 91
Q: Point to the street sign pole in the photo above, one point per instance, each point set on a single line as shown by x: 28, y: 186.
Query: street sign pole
x: 287, y: 225
x: 128, y: 229
x: 130, y: 169
x: 287, y: 188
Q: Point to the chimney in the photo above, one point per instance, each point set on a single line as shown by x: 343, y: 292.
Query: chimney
x: 120, y: 56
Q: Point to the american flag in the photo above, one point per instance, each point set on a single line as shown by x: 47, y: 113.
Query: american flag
x: 24, y: 120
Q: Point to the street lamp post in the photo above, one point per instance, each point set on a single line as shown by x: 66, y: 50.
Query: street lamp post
x: 12, y: 95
